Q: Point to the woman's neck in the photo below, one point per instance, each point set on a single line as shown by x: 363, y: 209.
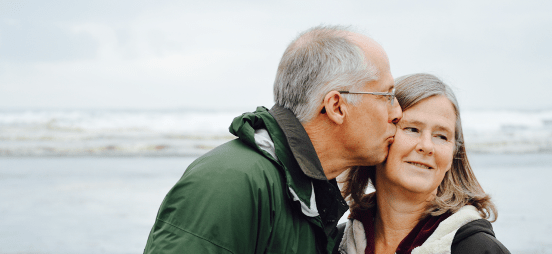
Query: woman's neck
x: 397, y: 214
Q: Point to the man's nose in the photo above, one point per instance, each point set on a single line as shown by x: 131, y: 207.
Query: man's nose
x: 395, y: 114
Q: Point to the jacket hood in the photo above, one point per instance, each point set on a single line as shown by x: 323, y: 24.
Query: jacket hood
x: 473, y: 228
x: 297, y: 159
x: 245, y: 127
x: 441, y: 240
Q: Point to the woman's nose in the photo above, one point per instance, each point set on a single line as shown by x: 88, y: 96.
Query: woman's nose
x: 425, y: 145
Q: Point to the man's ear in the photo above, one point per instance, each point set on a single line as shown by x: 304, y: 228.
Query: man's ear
x: 335, y: 107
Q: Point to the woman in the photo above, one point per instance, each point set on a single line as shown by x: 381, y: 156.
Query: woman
x: 427, y: 199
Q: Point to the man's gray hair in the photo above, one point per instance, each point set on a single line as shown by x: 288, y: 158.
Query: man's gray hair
x: 320, y: 60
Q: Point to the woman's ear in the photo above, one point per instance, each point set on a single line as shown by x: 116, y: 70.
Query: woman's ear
x: 335, y: 107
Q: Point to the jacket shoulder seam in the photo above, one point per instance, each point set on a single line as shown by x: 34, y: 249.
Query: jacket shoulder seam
x: 494, y: 241
x: 488, y: 239
x: 191, y: 233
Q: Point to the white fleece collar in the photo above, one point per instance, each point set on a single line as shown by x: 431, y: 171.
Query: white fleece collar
x: 354, y: 237
x: 441, y: 240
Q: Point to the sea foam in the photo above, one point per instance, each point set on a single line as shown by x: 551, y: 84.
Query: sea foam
x: 192, y: 133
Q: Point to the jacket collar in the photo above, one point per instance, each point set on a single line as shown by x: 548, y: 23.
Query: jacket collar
x: 354, y: 237
x: 329, y: 202
x: 299, y: 142
x: 299, y: 162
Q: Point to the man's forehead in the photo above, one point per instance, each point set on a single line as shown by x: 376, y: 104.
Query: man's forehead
x: 373, y: 51
x: 376, y: 56
x: 366, y: 43
x: 384, y: 83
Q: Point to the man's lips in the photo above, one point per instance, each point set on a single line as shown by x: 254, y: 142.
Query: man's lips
x: 391, y: 140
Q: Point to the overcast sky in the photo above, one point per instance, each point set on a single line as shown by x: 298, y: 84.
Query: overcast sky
x: 224, y: 54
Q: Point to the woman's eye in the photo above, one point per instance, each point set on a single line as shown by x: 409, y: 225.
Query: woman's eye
x: 411, y: 129
x: 441, y: 137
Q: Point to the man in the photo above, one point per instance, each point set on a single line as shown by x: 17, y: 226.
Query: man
x: 273, y: 189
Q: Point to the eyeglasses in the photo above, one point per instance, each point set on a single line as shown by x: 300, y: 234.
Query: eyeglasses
x: 390, y: 96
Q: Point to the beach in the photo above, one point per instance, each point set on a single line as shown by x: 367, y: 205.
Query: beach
x: 91, y: 181
x: 108, y: 205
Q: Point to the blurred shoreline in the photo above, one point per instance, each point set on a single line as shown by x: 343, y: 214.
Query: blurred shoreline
x: 191, y: 133
x: 166, y: 148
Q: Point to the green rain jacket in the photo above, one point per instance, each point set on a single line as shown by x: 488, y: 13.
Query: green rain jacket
x: 238, y: 198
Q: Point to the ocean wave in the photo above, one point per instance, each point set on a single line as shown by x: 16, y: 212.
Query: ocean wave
x: 115, y: 147
x: 185, y: 132
x: 119, y: 121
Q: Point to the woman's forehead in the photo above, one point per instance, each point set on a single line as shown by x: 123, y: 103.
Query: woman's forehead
x: 436, y: 111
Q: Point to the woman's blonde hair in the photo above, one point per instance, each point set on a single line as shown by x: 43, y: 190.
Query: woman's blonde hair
x: 459, y: 186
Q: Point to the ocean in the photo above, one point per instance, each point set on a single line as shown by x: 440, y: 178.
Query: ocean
x: 192, y: 132
x: 91, y: 181
x: 94, y: 205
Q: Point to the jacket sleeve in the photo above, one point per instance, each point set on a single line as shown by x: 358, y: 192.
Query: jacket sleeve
x: 167, y: 238
x: 480, y: 243
x: 215, y: 209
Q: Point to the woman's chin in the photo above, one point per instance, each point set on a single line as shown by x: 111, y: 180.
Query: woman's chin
x: 419, y: 188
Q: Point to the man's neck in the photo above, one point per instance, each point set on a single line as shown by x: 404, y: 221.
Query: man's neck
x: 330, y: 154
